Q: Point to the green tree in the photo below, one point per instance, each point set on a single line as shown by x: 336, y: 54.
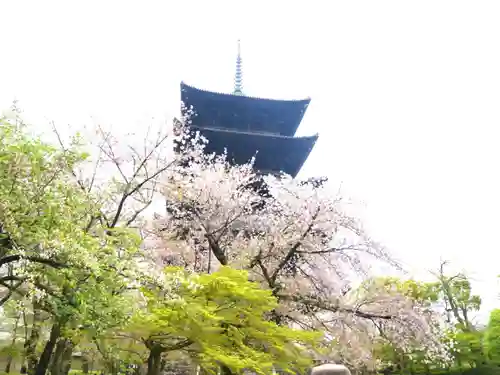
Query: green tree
x: 41, y: 212
x: 492, y: 338
x: 222, y: 319
x: 459, y: 302
x: 43, y: 217
x: 468, y: 350
x: 69, y: 246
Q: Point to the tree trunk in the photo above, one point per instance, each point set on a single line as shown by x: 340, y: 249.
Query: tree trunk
x: 85, y: 364
x: 43, y: 363
x: 225, y: 370
x: 8, y: 365
x: 67, y: 357
x: 154, y: 361
x: 31, y: 343
x: 55, y: 366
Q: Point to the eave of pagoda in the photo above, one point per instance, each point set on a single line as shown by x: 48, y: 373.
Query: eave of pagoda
x: 273, y: 153
x: 247, y: 133
x: 244, y: 113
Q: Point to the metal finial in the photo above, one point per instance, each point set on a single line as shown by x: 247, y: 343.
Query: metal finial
x: 238, y: 77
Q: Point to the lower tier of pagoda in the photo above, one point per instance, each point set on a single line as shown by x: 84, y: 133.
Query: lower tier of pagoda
x: 273, y: 153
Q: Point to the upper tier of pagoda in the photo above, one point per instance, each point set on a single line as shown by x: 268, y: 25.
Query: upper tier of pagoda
x: 245, y: 126
x: 244, y: 113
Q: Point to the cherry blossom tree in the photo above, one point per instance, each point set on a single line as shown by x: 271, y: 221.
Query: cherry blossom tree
x: 303, y: 241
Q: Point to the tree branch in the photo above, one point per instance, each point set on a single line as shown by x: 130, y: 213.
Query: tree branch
x: 14, y: 258
x: 294, y: 248
x: 323, y: 305
x: 127, y: 194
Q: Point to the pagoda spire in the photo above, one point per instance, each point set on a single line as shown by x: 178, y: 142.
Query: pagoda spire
x: 238, y: 76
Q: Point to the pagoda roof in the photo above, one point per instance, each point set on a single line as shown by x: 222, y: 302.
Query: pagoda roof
x: 243, y: 113
x: 272, y: 152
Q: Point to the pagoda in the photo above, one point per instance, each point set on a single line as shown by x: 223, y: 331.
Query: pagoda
x: 247, y: 127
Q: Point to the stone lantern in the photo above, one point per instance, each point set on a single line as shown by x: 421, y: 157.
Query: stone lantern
x: 330, y: 369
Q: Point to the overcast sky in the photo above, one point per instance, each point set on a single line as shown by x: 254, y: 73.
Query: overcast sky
x: 405, y: 95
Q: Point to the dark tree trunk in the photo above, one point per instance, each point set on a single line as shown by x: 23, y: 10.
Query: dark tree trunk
x: 85, y: 365
x: 61, y: 358
x: 8, y: 365
x: 55, y: 366
x: 225, y: 370
x: 43, y: 363
x: 154, y: 361
x: 67, y: 357
x: 31, y: 343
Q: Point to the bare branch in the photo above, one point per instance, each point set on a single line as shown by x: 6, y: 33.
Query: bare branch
x: 294, y: 248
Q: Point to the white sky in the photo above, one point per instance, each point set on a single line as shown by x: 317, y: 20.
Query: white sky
x: 405, y: 95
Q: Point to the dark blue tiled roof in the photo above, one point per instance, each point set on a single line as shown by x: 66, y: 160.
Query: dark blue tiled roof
x: 243, y: 113
x: 273, y: 153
